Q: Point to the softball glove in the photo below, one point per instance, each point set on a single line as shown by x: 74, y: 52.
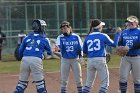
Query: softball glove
x: 122, y: 50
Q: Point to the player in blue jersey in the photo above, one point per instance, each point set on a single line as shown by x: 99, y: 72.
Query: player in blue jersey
x: 31, y: 51
x: 94, y: 47
x: 70, y: 46
x: 131, y: 62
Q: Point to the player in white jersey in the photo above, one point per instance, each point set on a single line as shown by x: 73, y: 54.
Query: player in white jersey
x: 70, y: 46
x: 94, y: 48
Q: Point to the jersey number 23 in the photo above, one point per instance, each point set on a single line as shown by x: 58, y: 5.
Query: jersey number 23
x: 96, y: 43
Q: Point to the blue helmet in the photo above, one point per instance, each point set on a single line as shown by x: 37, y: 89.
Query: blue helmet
x: 39, y: 25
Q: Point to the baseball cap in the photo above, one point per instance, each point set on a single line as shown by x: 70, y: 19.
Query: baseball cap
x: 96, y: 23
x: 132, y: 19
x: 64, y: 23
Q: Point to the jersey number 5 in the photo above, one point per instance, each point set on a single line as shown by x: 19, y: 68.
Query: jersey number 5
x: 95, y: 43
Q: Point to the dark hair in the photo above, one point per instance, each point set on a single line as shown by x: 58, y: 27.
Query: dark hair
x: 95, y: 22
x: 65, y: 23
x: 39, y: 25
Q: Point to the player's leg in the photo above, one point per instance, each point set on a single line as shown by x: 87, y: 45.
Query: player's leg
x: 23, y: 77
x: 38, y: 74
x: 65, y: 69
x: 91, y: 74
x: 76, y: 68
x: 135, y: 73
x: 125, y: 68
x: 41, y: 86
x: 102, y: 69
x: 21, y: 86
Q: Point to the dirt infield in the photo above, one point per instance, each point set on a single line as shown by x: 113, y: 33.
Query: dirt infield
x: 9, y: 81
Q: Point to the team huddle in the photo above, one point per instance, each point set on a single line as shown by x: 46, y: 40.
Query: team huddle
x: 73, y: 50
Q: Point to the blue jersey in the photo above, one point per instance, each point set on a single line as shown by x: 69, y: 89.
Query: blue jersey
x: 130, y: 37
x: 34, y: 45
x: 70, y: 46
x: 95, y: 43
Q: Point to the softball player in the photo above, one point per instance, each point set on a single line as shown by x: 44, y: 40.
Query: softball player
x: 70, y: 46
x: 131, y: 62
x: 94, y: 47
x: 31, y: 51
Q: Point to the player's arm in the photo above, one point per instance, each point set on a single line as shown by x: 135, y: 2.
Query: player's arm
x: 57, y: 49
x: 48, y: 47
x: 57, y: 46
x: 110, y: 42
x: 85, y: 49
x: 136, y: 46
x: 22, y: 47
x: 80, y: 47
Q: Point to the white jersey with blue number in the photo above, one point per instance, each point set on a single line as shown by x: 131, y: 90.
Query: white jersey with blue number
x: 70, y: 46
x: 95, y: 43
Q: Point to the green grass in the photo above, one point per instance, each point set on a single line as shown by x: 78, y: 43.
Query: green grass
x: 9, y: 67
x: 14, y: 66
x: 49, y: 65
x: 114, y: 62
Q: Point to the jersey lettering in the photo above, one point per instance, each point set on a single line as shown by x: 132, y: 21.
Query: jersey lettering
x: 69, y: 48
x: 28, y: 48
x: 32, y: 45
x: 38, y: 42
x: 129, y: 42
x: 95, y: 42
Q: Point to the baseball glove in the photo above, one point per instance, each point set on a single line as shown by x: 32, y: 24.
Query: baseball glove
x: 122, y: 50
x: 108, y: 57
x: 83, y: 62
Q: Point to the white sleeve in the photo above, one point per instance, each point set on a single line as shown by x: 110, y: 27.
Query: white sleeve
x: 48, y: 41
x: 81, y: 44
x: 80, y: 41
x: 108, y: 38
x: 58, y: 41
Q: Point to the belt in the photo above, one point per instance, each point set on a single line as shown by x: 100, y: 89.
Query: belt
x: 132, y: 55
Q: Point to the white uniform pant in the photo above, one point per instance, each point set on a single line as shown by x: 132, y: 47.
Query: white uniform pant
x: 32, y: 65
x: 97, y: 64
x: 66, y: 65
x: 130, y: 64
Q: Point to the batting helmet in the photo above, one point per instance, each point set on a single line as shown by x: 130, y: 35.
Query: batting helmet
x: 39, y: 25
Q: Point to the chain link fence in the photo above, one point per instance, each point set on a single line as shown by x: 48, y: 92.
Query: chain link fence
x: 18, y: 15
